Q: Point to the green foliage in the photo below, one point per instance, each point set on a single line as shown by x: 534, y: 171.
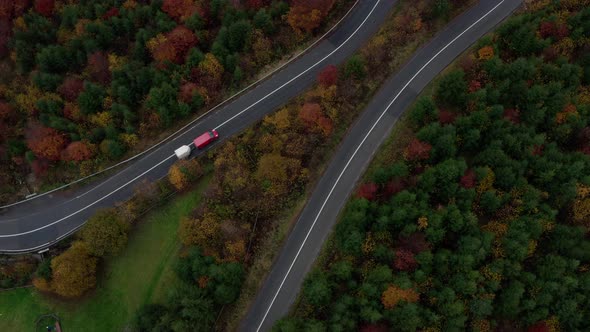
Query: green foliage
x: 91, y: 99
x: 452, y: 89
x: 105, y: 233
x: 355, y: 67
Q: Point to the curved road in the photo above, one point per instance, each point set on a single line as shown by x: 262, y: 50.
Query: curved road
x: 38, y: 223
x: 282, y: 285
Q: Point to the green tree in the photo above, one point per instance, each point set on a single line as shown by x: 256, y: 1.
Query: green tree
x: 105, y: 233
x: 452, y: 89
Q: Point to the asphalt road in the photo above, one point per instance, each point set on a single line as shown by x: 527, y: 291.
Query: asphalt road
x: 282, y: 285
x: 38, y: 223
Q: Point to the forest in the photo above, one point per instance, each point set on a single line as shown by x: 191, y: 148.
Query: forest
x: 481, y: 221
x: 82, y: 83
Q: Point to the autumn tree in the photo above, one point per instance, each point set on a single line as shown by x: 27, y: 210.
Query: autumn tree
x: 312, y: 116
x: 105, y: 233
x: 183, y: 173
x: 394, y: 295
x: 71, y: 88
x: 77, y: 151
x: 45, y: 142
x: 179, y: 10
x: 44, y: 7
x: 209, y: 73
x: 404, y: 260
x: 98, y: 67
x: 307, y: 15
x: 74, y: 271
x: 368, y: 191
x: 328, y: 76
x: 203, y: 231
x: 417, y: 150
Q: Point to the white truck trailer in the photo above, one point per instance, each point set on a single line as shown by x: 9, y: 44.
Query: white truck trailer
x: 183, y: 152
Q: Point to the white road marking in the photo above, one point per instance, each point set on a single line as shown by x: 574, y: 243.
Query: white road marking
x: 305, y: 71
x: 355, y: 152
x: 87, y: 206
x: 269, y: 94
x: 276, y: 70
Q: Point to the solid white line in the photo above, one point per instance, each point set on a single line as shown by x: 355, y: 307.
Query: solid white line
x: 355, y: 152
x: 87, y: 206
x: 274, y: 71
x: 305, y: 71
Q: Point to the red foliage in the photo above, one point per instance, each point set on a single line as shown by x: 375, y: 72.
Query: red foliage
x: 77, y: 151
x: 44, y: 7
x: 307, y: 15
x: 417, y: 150
x: 469, y: 179
x: 256, y: 4
x: 182, y: 39
x: 550, y: 54
x: 367, y: 191
x: 562, y: 32
x: 547, y: 29
x: 71, y: 88
x: 6, y: 112
x: 539, y: 327
x: 393, y: 187
x: 586, y: 150
x: 538, y: 150
x: 512, y: 115
x: 474, y: 86
x: 584, y: 136
x: 187, y: 91
x: 467, y: 63
x: 179, y: 9
x: 45, y: 142
x: 405, y: 260
x: 328, y: 76
x: 98, y: 66
x: 10, y: 9
x: 446, y: 117
x: 415, y: 243
x: 110, y: 13
x: 374, y: 328
x: 39, y: 167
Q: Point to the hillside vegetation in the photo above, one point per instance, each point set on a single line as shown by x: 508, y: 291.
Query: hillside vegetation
x: 481, y: 222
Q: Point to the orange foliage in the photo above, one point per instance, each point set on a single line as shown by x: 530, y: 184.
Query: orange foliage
x: 393, y: 295
x: 77, y: 151
x: 311, y: 115
x: 183, y: 173
x: 485, y: 53
x: 306, y: 15
x: 179, y: 10
x: 45, y: 142
x: 187, y: 91
x: 568, y: 110
x: 203, y: 232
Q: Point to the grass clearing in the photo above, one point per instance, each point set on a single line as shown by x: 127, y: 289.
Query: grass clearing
x: 141, y: 274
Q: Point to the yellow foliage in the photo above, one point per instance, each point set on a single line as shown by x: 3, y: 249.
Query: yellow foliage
x: 487, y: 182
x: 155, y: 41
x: 115, y: 61
x: 86, y: 167
x: 64, y: 35
x: 26, y: 102
x: 499, y: 229
x: 129, y: 4
x: 532, y: 247
x: 101, y: 119
x: 584, y: 95
x: 490, y: 275
x: 130, y: 140
x: 393, y: 295
x: 280, y: 120
x: 535, y: 5
x: 481, y: 325
x: 553, y: 324
x: 19, y: 24
x: 485, y: 53
x: 369, y: 244
x: 42, y: 284
x: 202, y: 232
x: 422, y: 223
x: 565, y: 46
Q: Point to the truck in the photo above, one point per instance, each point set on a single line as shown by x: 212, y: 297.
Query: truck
x: 183, y: 152
x: 205, y: 139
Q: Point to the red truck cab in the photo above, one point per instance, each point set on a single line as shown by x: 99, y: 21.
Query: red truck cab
x: 205, y: 139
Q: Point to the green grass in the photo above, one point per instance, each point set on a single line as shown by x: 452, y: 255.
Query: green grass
x: 141, y: 274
